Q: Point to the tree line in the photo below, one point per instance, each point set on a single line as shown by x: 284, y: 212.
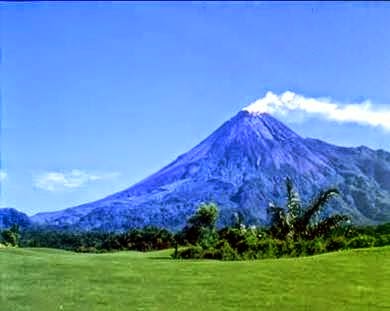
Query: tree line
x: 295, y: 230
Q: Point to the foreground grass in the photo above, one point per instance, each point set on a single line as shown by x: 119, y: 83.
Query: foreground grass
x: 44, y: 279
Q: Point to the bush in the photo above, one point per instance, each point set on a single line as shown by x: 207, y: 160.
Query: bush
x: 232, y: 235
x: 10, y: 237
x: 383, y: 229
x: 383, y: 240
x: 362, y: 241
x: 303, y: 247
x: 208, y: 238
x: 83, y: 249
x: 300, y: 248
x: 316, y: 246
x: 211, y: 253
x: 192, y: 252
x: 225, y: 252
x: 336, y: 243
x: 269, y: 248
x: 200, y: 228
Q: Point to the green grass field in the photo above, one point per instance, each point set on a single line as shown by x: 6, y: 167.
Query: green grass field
x: 44, y: 279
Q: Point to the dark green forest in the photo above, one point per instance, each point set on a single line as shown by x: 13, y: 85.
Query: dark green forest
x: 296, y: 229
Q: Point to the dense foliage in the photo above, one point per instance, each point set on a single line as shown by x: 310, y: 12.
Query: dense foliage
x: 11, y: 236
x: 147, y: 239
x: 232, y: 243
x: 245, y: 243
x: 297, y: 222
x: 200, y: 228
x: 295, y: 230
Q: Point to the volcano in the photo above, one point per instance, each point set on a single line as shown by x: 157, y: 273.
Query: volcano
x: 242, y: 167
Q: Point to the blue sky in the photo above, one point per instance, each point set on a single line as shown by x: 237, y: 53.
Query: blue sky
x: 96, y: 96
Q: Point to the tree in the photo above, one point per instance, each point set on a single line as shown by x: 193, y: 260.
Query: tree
x: 294, y: 221
x: 200, y: 228
x: 11, y: 236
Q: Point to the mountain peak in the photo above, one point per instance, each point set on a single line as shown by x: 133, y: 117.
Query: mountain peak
x: 263, y: 124
x: 241, y: 167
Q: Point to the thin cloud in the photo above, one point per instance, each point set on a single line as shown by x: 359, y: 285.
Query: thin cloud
x: 362, y: 113
x: 3, y: 175
x: 57, y: 181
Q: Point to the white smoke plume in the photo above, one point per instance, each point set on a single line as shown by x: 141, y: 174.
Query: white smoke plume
x: 362, y: 113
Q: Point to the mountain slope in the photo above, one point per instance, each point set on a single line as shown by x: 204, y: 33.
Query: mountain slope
x: 242, y: 167
x: 10, y: 216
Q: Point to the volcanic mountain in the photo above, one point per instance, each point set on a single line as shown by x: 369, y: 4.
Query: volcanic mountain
x: 242, y: 167
x: 10, y: 216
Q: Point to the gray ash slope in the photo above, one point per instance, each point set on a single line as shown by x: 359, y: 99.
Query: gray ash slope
x: 242, y: 167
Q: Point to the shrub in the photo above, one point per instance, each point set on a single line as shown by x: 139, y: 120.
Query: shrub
x: 225, y: 252
x: 242, y: 239
x: 83, y: 249
x: 383, y: 229
x: 200, y: 228
x: 233, y: 236
x: 361, y: 241
x: 10, y: 237
x: 208, y: 238
x: 335, y: 243
x: 316, y: 246
x: 269, y: 248
x: 192, y: 252
x: 383, y: 240
x: 211, y: 253
x: 299, y: 248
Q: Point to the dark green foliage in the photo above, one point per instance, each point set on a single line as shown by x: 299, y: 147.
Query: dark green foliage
x: 335, y: 243
x: 279, y: 228
x: 316, y: 246
x: 201, y: 240
x: 192, y: 252
x: 361, y: 241
x: 268, y: 248
x: 292, y: 234
x: 382, y: 229
x: 225, y: 251
x: 303, y: 222
x: 205, y: 216
x: 200, y: 228
x: 222, y: 251
x: 11, y: 236
x: 383, y: 240
x: 146, y: 239
x: 296, y: 222
x: 324, y: 227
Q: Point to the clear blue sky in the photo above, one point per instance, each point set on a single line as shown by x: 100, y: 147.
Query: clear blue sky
x: 117, y: 90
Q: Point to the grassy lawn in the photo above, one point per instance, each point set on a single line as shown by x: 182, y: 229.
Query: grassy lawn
x: 44, y: 279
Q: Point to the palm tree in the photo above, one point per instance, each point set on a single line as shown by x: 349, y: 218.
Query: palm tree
x: 294, y: 221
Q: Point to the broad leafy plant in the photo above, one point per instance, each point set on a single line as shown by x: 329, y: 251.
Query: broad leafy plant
x: 294, y: 221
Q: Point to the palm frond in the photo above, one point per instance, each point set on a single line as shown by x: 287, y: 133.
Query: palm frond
x: 293, y: 201
x: 277, y: 214
x: 326, y: 225
x: 278, y: 218
x: 319, y: 202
